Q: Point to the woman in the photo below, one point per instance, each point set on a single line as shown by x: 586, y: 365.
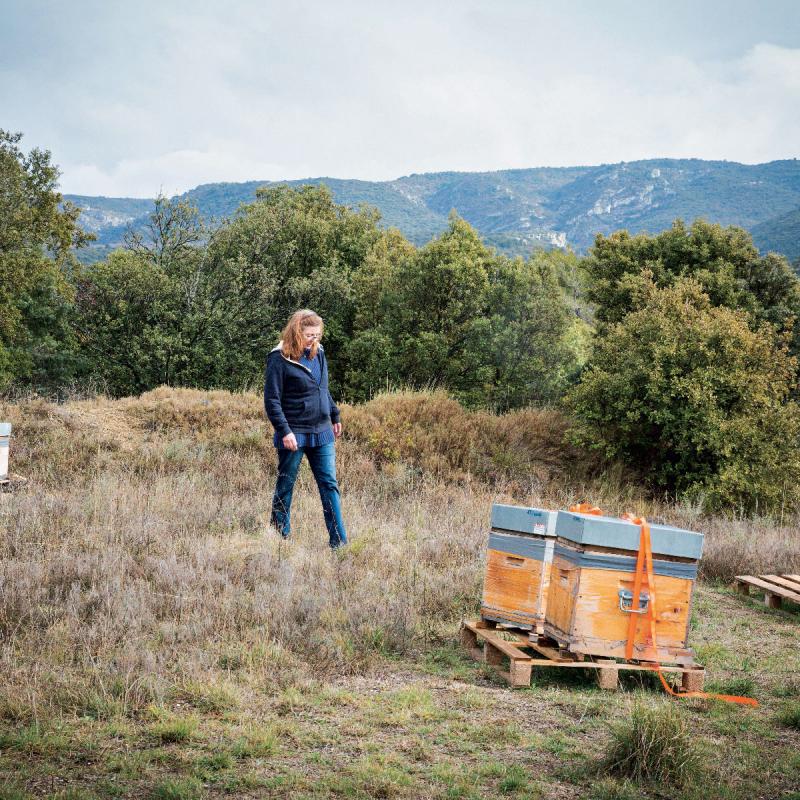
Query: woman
x: 306, y: 420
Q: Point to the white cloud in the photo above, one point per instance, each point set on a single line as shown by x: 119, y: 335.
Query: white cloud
x: 360, y: 90
x: 170, y: 173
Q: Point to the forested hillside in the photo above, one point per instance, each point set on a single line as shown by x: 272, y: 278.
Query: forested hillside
x: 517, y: 210
x: 780, y: 234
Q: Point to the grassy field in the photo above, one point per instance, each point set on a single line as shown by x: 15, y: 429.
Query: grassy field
x: 157, y: 640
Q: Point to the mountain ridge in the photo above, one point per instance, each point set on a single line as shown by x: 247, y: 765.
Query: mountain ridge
x: 518, y: 209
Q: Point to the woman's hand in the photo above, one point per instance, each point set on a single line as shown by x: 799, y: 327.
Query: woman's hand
x: 290, y: 442
x: 337, y: 429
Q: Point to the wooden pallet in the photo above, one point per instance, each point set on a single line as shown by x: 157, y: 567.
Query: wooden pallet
x: 776, y: 588
x: 500, y: 643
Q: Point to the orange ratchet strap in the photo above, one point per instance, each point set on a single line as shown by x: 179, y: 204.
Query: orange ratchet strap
x: 644, y: 573
x: 586, y: 508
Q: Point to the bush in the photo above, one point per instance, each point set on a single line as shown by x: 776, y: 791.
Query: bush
x: 492, y: 331
x: 790, y: 715
x: 440, y: 437
x: 655, y: 745
x: 723, y: 261
x: 178, y: 789
x: 695, y: 400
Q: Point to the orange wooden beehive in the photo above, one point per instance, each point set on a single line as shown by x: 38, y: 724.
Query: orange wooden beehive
x: 590, y: 592
x: 520, y: 551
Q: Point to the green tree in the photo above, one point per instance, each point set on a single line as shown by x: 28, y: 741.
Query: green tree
x: 124, y: 312
x: 37, y: 233
x: 455, y: 315
x: 723, y: 261
x: 536, y: 338
x: 288, y: 250
x: 143, y: 314
x: 371, y: 352
x: 188, y: 307
x: 429, y: 326
x: 694, y: 398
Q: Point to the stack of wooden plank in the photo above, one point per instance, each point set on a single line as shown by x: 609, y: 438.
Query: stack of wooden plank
x: 776, y: 588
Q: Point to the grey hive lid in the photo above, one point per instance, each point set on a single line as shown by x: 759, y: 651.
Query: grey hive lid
x: 5, y: 429
x: 613, y: 532
x: 537, y: 521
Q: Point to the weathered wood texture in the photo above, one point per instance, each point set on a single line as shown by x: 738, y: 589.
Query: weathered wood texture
x: 515, y: 588
x: 496, y: 649
x: 584, y: 615
x: 776, y: 588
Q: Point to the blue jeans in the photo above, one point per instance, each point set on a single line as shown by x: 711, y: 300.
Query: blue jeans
x: 322, y: 461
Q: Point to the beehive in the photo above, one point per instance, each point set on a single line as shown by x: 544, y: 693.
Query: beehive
x: 5, y: 435
x: 589, y: 600
x: 520, y: 550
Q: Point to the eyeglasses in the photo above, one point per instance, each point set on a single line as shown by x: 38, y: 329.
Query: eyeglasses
x: 312, y: 335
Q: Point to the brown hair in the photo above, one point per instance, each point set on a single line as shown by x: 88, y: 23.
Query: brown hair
x: 292, y: 343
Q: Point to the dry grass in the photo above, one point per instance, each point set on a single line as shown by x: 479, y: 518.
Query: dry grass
x: 139, y: 555
x: 139, y: 581
x: 757, y: 546
x: 523, y: 454
x: 655, y: 745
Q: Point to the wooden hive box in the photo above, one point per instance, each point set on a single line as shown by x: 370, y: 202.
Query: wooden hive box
x: 520, y: 551
x: 5, y: 435
x: 591, y: 587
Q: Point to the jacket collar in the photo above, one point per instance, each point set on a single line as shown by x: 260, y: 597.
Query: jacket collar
x: 279, y: 349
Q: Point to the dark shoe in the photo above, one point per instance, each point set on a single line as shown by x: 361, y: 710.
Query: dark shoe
x: 280, y: 533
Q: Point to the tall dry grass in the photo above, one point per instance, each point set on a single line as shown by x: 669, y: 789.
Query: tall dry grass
x: 137, y: 561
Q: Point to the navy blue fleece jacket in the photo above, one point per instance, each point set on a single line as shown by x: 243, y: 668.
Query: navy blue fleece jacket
x: 293, y: 400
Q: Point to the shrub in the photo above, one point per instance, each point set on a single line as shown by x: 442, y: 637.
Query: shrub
x: 790, y: 715
x: 439, y: 436
x: 178, y: 789
x: 723, y: 261
x: 695, y: 400
x: 172, y: 729
x: 655, y: 745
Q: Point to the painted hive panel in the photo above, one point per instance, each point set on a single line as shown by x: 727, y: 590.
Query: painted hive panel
x: 536, y: 521
x: 593, y: 531
x: 561, y: 596
x: 518, y: 561
x: 590, y: 592
x: 512, y: 588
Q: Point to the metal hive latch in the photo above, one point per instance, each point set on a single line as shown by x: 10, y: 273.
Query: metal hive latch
x: 626, y: 602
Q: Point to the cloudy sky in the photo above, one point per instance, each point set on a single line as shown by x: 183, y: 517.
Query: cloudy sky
x: 140, y: 97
